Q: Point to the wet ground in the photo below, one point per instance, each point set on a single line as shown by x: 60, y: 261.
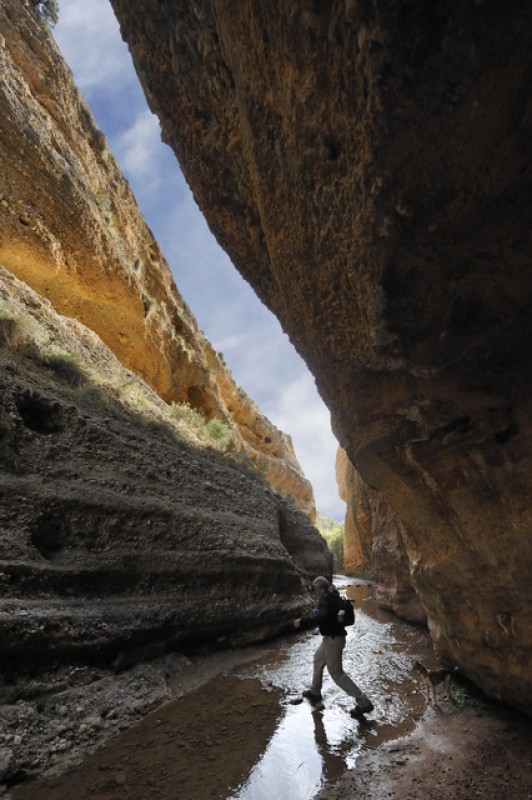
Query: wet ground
x: 238, y: 737
x: 310, y: 748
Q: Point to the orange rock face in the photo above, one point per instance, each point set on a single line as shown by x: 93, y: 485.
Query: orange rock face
x: 374, y: 541
x: 71, y: 229
x: 357, y: 532
x: 368, y: 170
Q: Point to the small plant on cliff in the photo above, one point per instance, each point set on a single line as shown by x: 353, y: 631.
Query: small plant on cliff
x: 464, y: 695
x: 48, y: 10
x: 220, y: 435
x: 187, y: 415
x: 16, y: 339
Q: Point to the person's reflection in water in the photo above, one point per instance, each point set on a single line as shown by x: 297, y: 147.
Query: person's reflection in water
x: 333, y: 764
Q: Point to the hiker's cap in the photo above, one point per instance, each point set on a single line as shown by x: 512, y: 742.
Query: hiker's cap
x: 320, y: 581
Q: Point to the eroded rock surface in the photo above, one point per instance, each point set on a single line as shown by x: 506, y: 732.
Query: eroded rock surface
x: 70, y: 228
x: 367, y: 167
x: 116, y: 535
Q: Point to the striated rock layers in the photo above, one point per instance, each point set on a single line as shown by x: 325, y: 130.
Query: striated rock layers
x: 115, y: 534
x: 367, y: 167
x: 71, y: 229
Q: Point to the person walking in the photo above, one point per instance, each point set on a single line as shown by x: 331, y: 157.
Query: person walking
x: 330, y: 651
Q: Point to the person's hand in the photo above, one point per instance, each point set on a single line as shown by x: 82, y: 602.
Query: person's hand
x: 296, y: 623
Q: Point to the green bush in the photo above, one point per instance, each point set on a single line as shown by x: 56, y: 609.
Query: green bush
x: 187, y: 415
x: 466, y: 696
x: 16, y: 339
x: 220, y: 435
x: 335, y: 542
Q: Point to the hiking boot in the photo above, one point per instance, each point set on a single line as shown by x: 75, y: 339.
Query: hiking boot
x: 311, y: 697
x: 363, y: 706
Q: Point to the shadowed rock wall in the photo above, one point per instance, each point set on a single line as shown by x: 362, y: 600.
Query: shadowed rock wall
x: 70, y: 227
x: 114, y: 532
x: 367, y: 167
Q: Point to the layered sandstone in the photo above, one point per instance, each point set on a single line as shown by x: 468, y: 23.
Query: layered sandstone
x: 118, y: 531
x: 71, y: 229
x: 368, y: 170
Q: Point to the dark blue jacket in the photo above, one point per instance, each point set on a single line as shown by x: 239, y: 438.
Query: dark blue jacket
x: 325, y: 617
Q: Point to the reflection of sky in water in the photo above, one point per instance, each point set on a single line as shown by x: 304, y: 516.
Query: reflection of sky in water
x: 309, y: 747
x: 291, y: 767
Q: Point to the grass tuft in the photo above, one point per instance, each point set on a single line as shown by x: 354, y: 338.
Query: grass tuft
x: 220, y: 435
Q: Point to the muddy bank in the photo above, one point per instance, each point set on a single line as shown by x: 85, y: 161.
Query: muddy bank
x: 189, y: 748
x: 51, y: 725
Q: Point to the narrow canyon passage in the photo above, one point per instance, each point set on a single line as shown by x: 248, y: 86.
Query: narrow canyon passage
x: 238, y: 737
x: 366, y: 169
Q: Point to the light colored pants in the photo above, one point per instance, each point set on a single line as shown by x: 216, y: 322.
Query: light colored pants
x: 329, y: 654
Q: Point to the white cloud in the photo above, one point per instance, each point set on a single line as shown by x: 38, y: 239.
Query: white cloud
x: 137, y: 151
x: 230, y: 343
x: 88, y: 35
x: 203, y: 271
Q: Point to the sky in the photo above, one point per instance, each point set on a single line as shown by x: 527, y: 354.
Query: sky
x: 254, y: 347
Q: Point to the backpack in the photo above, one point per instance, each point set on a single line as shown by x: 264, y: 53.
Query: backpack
x: 345, y: 613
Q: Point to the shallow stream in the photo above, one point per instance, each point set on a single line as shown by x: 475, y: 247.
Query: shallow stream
x: 310, y: 748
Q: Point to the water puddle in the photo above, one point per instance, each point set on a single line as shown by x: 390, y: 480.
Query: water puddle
x: 310, y: 748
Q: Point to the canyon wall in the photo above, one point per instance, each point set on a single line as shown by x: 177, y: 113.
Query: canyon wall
x: 117, y: 532
x: 373, y: 542
x: 358, y: 517
x: 71, y: 229
x: 121, y: 525
x: 367, y: 168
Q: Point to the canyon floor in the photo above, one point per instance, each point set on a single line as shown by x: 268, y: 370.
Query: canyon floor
x: 202, y: 746
x: 228, y: 731
x: 465, y: 756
